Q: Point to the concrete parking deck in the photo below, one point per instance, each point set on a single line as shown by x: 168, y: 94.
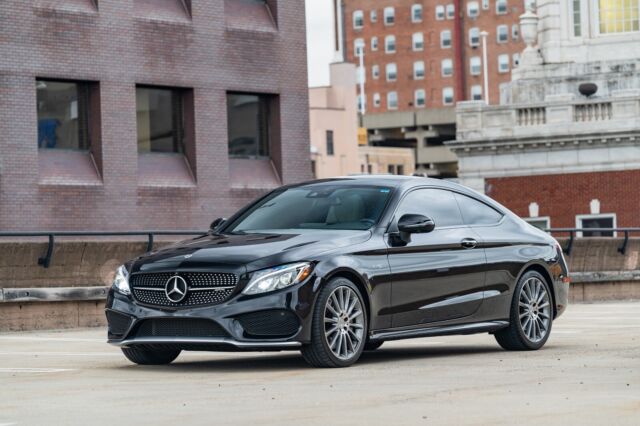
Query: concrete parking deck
x: 588, y: 373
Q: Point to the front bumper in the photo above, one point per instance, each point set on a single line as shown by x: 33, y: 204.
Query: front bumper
x: 240, y: 323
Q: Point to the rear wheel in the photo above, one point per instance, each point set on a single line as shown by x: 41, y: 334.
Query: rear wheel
x: 150, y: 357
x: 531, y: 315
x: 339, y: 327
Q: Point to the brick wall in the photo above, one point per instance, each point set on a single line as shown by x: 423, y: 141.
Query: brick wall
x: 433, y: 54
x: 118, y: 49
x: 563, y: 196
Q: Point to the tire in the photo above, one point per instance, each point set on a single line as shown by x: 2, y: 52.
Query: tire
x: 150, y: 357
x: 522, y: 335
x: 326, y: 349
x: 372, y: 346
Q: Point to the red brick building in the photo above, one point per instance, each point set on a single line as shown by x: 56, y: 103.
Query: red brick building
x: 147, y: 114
x: 421, y: 57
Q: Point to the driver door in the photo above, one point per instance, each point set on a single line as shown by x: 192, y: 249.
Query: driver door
x: 439, y: 275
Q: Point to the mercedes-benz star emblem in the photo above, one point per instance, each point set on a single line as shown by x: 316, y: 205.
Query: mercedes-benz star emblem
x: 176, y: 289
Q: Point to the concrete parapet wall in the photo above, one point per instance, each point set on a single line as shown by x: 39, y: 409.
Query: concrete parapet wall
x: 70, y: 292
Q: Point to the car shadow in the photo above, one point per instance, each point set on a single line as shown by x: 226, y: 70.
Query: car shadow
x: 294, y: 361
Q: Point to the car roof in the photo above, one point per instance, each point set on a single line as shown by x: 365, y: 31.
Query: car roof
x: 395, y: 181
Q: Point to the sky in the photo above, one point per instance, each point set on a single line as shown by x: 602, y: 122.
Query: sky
x: 319, y: 41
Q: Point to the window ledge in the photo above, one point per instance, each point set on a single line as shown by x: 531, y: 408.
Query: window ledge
x: 159, y: 170
x: 248, y: 16
x: 67, y: 168
x: 51, y: 8
x: 252, y: 174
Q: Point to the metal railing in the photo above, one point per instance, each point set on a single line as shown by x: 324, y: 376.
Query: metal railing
x: 45, y: 261
x: 573, y: 231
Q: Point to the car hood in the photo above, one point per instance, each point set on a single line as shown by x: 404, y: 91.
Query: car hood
x: 246, y: 252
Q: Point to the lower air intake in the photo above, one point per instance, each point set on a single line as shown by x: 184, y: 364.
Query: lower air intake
x: 272, y: 323
x: 179, y: 327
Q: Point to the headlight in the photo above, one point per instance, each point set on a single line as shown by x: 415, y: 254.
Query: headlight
x: 121, y: 281
x: 277, y: 278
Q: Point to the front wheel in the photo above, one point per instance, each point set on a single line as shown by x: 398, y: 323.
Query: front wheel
x: 150, y: 357
x: 339, y: 327
x: 531, y: 315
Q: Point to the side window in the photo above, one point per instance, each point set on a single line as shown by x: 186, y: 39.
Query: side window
x: 477, y: 213
x: 439, y: 205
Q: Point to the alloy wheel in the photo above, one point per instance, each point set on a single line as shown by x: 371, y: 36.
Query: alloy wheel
x: 534, y: 310
x: 344, y: 323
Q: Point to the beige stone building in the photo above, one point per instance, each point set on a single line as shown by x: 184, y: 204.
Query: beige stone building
x: 333, y: 122
x: 386, y: 160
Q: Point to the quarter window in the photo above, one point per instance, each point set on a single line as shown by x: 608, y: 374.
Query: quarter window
x: 476, y: 212
x: 440, y: 205
x: 63, y: 115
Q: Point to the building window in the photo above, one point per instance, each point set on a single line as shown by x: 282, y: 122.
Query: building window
x: 358, y: 20
x: 389, y: 16
x: 475, y: 65
x: 375, y: 72
x: 515, y: 32
x: 485, y: 4
x: 439, y: 13
x: 447, y: 67
x: 392, y: 100
x: 418, y: 70
x: 474, y: 37
x: 391, y: 169
x: 501, y: 7
x: 358, y: 44
x: 516, y: 59
x: 418, y: 41
x: 400, y: 169
x: 543, y: 222
x: 374, y: 43
x: 451, y: 11
x: 445, y: 39
x: 596, y: 221
x: 392, y: 72
x: 618, y: 16
x: 63, y: 115
x: 390, y: 44
x: 420, y: 98
x: 476, y: 92
x: 473, y: 9
x: 577, y: 18
x: 416, y: 13
x: 376, y: 100
x: 330, y: 142
x: 503, y: 63
x: 249, y: 119
x: 447, y: 96
x: 502, y: 33
x: 373, y: 16
x: 160, y: 117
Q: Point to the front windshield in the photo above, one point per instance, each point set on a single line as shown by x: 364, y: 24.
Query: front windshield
x: 349, y: 207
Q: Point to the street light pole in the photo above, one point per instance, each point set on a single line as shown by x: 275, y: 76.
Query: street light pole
x: 485, y: 73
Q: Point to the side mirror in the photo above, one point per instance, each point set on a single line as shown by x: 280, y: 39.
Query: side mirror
x: 415, y: 224
x: 217, y: 223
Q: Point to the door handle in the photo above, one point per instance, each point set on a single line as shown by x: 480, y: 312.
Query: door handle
x: 468, y: 243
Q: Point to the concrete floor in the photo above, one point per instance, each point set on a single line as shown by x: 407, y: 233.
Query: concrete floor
x: 588, y: 373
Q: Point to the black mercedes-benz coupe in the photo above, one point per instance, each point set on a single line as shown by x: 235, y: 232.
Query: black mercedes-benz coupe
x: 336, y: 267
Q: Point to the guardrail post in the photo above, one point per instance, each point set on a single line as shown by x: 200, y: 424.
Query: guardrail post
x: 150, y: 242
x: 623, y: 248
x: 46, y: 260
x: 567, y: 250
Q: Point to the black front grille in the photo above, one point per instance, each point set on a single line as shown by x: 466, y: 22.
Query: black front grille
x: 118, y: 323
x: 179, y: 327
x: 204, y: 288
x: 272, y: 323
